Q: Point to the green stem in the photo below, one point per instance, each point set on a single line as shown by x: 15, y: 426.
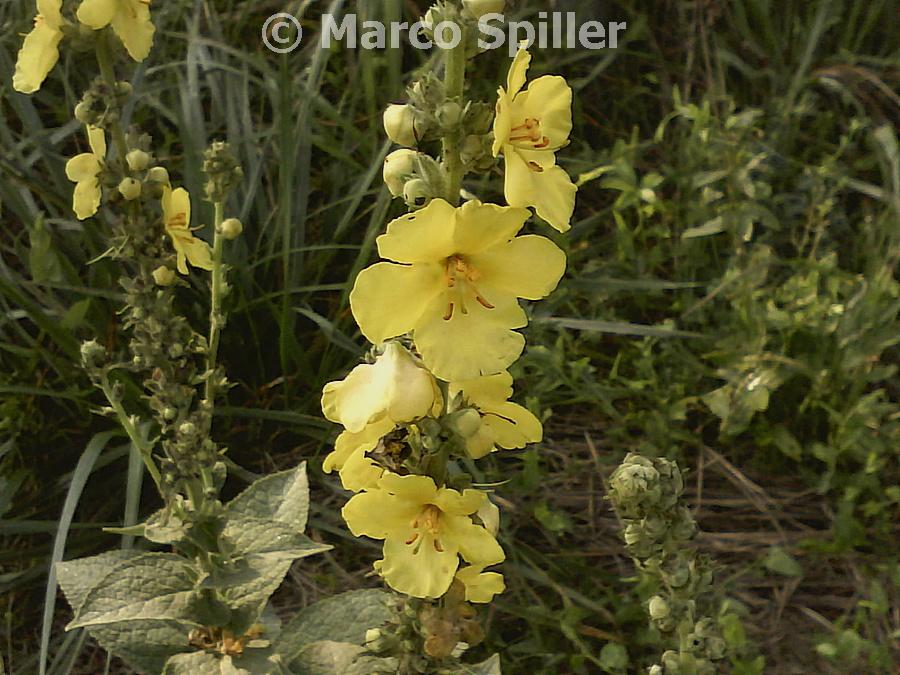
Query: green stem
x: 137, y: 438
x: 216, y: 317
x: 108, y: 73
x: 454, y: 83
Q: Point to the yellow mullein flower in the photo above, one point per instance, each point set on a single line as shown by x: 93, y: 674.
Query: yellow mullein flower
x: 425, y: 530
x: 480, y: 586
x: 503, y: 423
x: 85, y: 170
x: 176, y: 205
x: 356, y: 469
x: 40, y: 50
x: 397, y: 386
x: 530, y: 126
x: 130, y: 19
x: 455, y: 282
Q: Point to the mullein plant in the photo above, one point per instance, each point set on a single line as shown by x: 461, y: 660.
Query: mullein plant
x: 443, y: 314
x: 200, y: 605
x: 658, y: 529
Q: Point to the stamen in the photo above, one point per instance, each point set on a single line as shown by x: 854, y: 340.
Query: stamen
x: 438, y: 547
x: 414, y: 537
x: 534, y: 166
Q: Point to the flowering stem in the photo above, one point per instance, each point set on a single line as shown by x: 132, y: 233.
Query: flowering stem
x: 216, y: 318
x: 107, y: 72
x: 454, y: 81
x: 137, y: 438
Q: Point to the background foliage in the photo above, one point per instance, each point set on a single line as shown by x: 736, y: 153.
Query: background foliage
x: 731, y: 303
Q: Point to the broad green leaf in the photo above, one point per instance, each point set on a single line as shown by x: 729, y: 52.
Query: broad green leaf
x: 194, y: 663
x: 77, y: 578
x: 145, y: 645
x: 282, y: 496
x: 258, y: 535
x: 334, y: 658
x: 157, y: 586
x: 344, y: 618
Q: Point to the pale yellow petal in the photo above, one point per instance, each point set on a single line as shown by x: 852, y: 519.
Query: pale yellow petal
x: 360, y: 472
x: 515, y: 79
x: 86, y: 198
x: 348, y: 442
x: 97, y: 141
x: 502, y: 121
x: 425, y: 235
x: 475, y: 543
x: 197, y: 251
x: 50, y: 10
x: 533, y: 179
x: 133, y: 26
x: 511, y: 425
x: 421, y: 571
x: 528, y: 267
x: 481, y: 226
x: 549, y: 100
x: 480, y: 586
x: 388, y: 300
x: 379, y: 514
x: 469, y: 345
x: 38, y: 55
x: 96, y: 13
x: 81, y: 167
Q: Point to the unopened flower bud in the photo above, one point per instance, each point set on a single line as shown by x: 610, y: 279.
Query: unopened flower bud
x: 468, y: 422
x: 481, y: 7
x: 130, y: 188
x: 399, y: 124
x: 123, y: 88
x: 188, y: 428
x: 416, y: 193
x: 158, y: 174
x: 449, y: 114
x: 658, y: 608
x: 398, y: 166
x: 137, y: 160
x: 231, y: 228
x: 83, y: 113
x: 163, y: 276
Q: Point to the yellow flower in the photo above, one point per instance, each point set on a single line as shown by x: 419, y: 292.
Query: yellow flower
x: 455, y: 282
x: 130, y: 19
x: 397, y: 386
x: 357, y: 470
x: 40, y: 51
x: 176, y: 205
x: 480, y: 586
x: 530, y: 126
x: 85, y: 169
x: 425, y: 530
x: 503, y: 423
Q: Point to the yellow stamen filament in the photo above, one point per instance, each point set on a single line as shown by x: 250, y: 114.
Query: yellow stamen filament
x: 529, y: 133
x: 457, y: 269
x: 429, y: 519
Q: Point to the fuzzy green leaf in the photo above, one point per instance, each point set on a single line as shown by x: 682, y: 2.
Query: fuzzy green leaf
x: 145, y: 645
x: 282, y: 496
x: 344, y: 618
x: 157, y: 586
x: 77, y: 578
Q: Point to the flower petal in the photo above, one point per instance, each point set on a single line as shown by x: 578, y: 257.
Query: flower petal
x: 38, y: 55
x: 511, y: 425
x: 82, y: 167
x: 379, y: 514
x: 543, y: 185
x: 421, y: 571
x: 480, y: 586
x: 86, y: 198
x: 482, y: 226
x: 133, y: 26
x: 425, y: 235
x: 476, y: 544
x: 515, y: 79
x: 96, y: 13
x: 548, y: 99
x: 528, y: 267
x: 466, y: 346
x: 387, y: 299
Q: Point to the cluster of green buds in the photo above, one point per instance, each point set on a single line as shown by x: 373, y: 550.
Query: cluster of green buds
x: 646, y: 494
x: 425, y: 635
